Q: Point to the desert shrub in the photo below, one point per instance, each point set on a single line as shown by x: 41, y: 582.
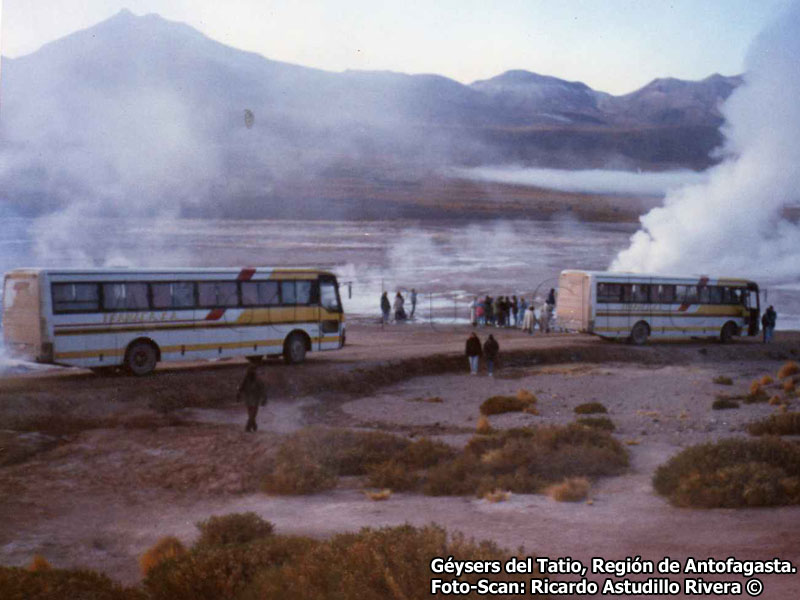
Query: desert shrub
x: 392, y: 474
x: 756, y: 394
x: 573, y: 489
x: 61, y: 584
x: 214, y: 572
x: 721, y: 403
x: 525, y: 460
x: 497, y: 496
x: 311, y: 459
x: 732, y: 473
x: 775, y: 400
x: 374, y: 564
x: 788, y: 368
x: 766, y: 380
x: 722, y: 380
x: 788, y: 385
x: 603, y: 423
x: 380, y: 495
x: 39, y: 563
x: 755, y: 387
x: 166, y: 548
x: 503, y: 404
x: 589, y: 408
x: 527, y: 397
x: 235, y: 528
x: 780, y: 424
x: 483, y: 426
x: 425, y: 453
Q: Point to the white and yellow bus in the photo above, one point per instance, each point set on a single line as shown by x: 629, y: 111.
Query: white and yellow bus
x: 637, y: 306
x: 104, y: 319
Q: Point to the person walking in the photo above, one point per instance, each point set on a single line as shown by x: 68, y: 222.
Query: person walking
x: 473, y: 352
x: 413, y: 303
x: 551, y: 299
x: 254, y: 393
x: 385, y: 307
x: 399, y: 312
x: 768, y: 322
x: 490, y: 350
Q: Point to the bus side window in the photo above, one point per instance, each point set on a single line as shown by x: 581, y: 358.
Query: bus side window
x: 125, y: 296
x: 288, y: 293
x: 260, y: 293
x: 608, y: 293
x: 303, y: 292
x: 328, y: 297
x: 217, y: 293
x: 76, y: 297
x: 687, y: 294
x: 704, y: 294
x: 665, y: 294
x: 179, y: 294
x: 715, y: 294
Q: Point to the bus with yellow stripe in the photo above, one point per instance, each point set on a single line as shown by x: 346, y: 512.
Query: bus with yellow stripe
x: 104, y: 319
x: 639, y: 306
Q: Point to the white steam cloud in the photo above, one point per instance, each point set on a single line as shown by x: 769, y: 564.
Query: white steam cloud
x: 733, y: 224
x: 587, y: 181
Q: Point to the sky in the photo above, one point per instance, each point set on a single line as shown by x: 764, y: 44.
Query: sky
x: 616, y: 46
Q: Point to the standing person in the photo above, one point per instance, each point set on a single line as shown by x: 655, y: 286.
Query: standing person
x: 254, y: 393
x: 489, y: 310
x: 547, y: 315
x: 385, y: 307
x: 515, y: 309
x: 768, y: 322
x: 529, y: 319
x: 523, y: 306
x: 399, y: 312
x: 551, y: 299
x: 498, y: 311
x: 473, y: 312
x: 473, y: 352
x: 413, y: 303
x: 490, y: 350
x: 480, y: 312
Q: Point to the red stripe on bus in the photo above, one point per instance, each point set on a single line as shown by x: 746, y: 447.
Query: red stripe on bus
x: 245, y: 274
x: 215, y: 314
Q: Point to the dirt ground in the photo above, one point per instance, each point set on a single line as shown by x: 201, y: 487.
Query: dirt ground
x: 96, y: 469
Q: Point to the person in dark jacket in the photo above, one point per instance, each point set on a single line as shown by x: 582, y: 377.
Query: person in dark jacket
x: 254, y: 393
x: 386, y: 307
x: 768, y: 322
x: 473, y: 352
x: 490, y: 351
x: 551, y: 298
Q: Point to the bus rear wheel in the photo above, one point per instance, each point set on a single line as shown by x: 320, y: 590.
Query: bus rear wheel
x: 639, y: 333
x: 727, y: 333
x: 141, y: 358
x: 294, y: 349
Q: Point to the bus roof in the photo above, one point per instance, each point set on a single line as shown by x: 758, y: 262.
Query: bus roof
x: 630, y: 276
x: 123, y: 271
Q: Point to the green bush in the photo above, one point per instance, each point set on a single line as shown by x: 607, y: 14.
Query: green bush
x: 780, y: 424
x: 589, y: 408
x: 374, y: 564
x: 61, y: 584
x: 236, y: 528
x: 732, y: 473
x: 602, y: 423
x: 214, y: 572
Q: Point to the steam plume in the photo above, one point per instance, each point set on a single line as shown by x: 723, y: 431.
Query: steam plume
x: 733, y: 224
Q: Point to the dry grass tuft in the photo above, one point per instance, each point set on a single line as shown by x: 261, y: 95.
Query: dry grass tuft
x: 39, y: 563
x: 789, y: 368
x: 431, y: 399
x: 497, y: 495
x: 166, y: 548
x: 392, y: 474
x: 732, y: 473
x: 503, y: 404
x: 775, y: 400
x: 766, y: 380
x: 531, y: 410
x: 378, y: 496
x: 527, y: 397
x: 235, y: 528
x: 483, y: 427
x: 787, y: 423
x: 589, y: 408
x: 788, y: 386
x: 722, y: 403
x: 722, y: 380
x: 632, y: 442
x: 602, y: 423
x: 573, y: 489
x: 62, y: 584
x: 755, y: 387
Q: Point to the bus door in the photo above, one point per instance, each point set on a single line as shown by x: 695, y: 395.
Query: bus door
x: 330, y: 313
x: 753, y: 309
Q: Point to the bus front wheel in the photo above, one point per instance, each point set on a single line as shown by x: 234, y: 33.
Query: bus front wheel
x: 727, y: 332
x: 141, y: 358
x: 294, y: 349
x: 639, y: 333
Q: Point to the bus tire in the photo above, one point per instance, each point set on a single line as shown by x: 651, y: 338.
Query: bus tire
x: 639, y: 334
x: 141, y: 358
x: 728, y: 331
x: 294, y: 349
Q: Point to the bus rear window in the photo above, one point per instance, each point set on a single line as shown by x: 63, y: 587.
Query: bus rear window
x: 76, y: 297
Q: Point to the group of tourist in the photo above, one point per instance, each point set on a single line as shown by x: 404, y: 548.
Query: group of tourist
x: 398, y: 306
x: 503, y: 311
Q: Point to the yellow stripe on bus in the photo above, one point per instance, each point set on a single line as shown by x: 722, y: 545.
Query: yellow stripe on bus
x: 189, y: 348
